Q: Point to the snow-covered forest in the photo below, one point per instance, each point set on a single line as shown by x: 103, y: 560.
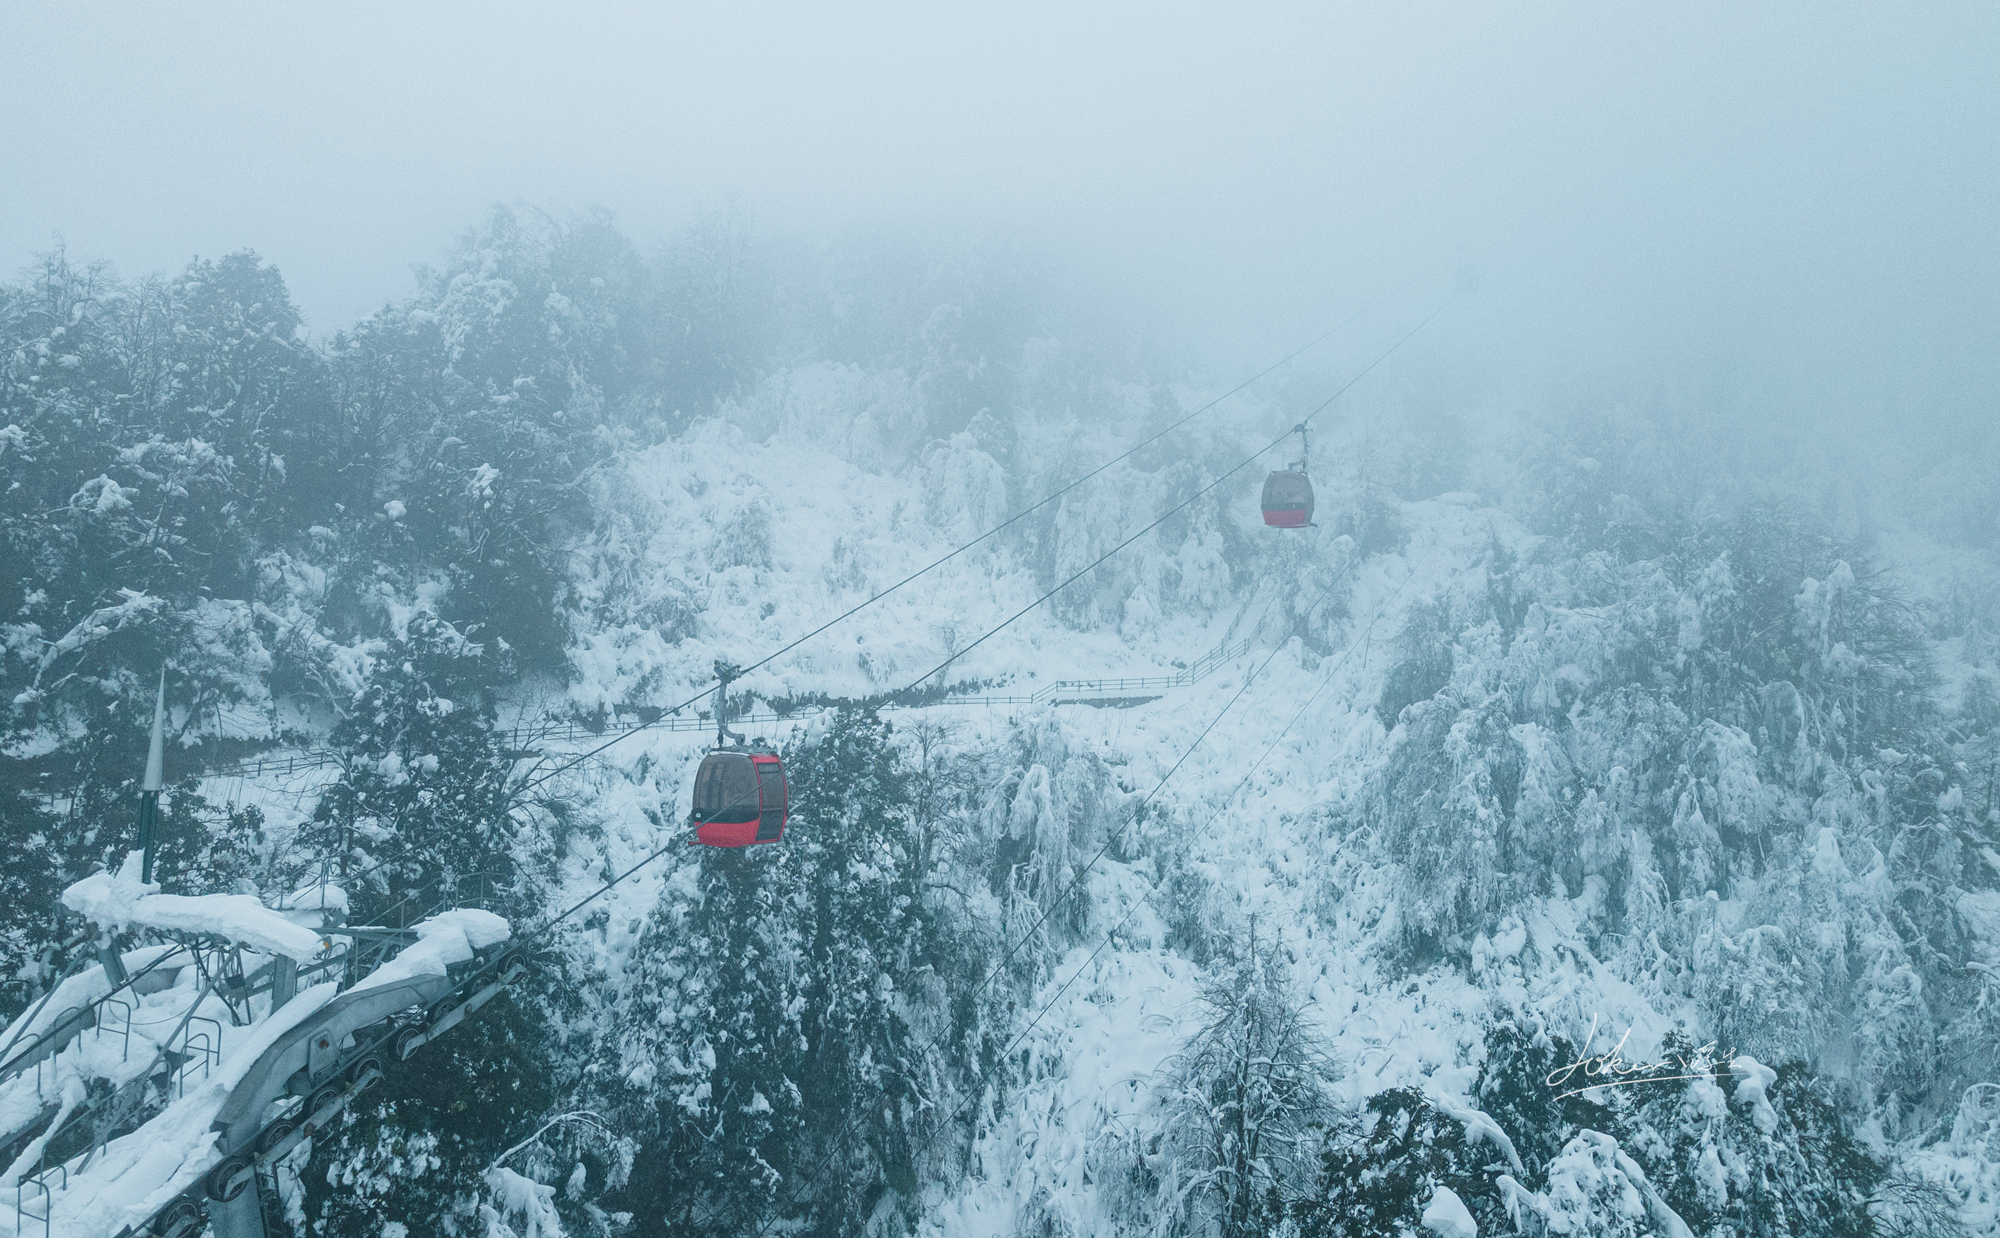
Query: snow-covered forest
x: 1553, y: 738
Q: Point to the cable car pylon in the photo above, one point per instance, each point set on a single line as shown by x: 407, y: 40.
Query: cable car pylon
x: 154, y: 782
x: 198, y: 1130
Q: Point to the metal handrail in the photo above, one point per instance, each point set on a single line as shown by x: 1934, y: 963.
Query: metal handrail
x: 187, y: 1063
x: 13, y: 1064
x: 48, y: 1198
x: 211, y: 1050
x: 98, y: 1031
x: 1195, y: 672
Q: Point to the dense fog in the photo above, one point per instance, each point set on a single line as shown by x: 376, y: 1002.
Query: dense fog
x: 1788, y: 208
x: 1558, y: 793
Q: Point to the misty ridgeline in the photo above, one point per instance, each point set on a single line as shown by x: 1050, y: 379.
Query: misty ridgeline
x: 1559, y: 720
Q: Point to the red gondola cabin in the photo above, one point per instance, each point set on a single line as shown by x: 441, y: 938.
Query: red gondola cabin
x: 1288, y: 500
x: 739, y: 799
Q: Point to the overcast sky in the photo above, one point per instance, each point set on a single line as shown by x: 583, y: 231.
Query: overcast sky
x: 1791, y: 196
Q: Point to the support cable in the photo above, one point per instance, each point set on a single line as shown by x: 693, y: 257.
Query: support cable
x: 1175, y: 510
x: 1017, y: 517
x: 1153, y: 887
x: 1323, y: 405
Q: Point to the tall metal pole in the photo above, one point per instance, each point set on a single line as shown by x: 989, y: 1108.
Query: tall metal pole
x: 149, y: 790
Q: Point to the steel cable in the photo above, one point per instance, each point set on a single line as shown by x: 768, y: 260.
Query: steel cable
x: 1023, y: 514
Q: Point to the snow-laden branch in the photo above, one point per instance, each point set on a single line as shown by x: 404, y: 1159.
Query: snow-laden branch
x: 114, y: 901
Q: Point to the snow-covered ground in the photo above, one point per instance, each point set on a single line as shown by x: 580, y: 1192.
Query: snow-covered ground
x: 749, y: 530
x: 758, y: 539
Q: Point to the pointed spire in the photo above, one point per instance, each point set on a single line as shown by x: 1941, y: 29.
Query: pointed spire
x: 156, y: 755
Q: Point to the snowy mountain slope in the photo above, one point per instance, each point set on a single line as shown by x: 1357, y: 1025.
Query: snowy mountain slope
x: 1283, y: 847
x: 736, y: 546
x: 1293, y: 845
x: 1625, y: 750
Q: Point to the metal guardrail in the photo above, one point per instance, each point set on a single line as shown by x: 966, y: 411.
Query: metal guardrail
x: 1061, y: 692
x: 209, y: 1055
x: 34, y: 1049
x: 39, y: 1182
x: 1195, y: 672
x: 291, y: 763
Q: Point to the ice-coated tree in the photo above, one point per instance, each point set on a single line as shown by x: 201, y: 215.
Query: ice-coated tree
x: 871, y: 950
x: 423, y: 809
x: 1380, y: 1169
x: 413, y: 1151
x: 771, y: 1049
x: 1246, y: 1092
x: 714, y: 1049
x: 1514, y: 1089
x: 1749, y: 1151
x: 1593, y: 1188
x: 1424, y: 653
x: 29, y: 886
x: 1447, y: 805
x: 473, y: 412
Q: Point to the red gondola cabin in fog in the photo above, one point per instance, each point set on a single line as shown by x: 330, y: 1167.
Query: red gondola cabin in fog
x: 1288, y: 500
x: 1288, y: 493
x: 740, y: 799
